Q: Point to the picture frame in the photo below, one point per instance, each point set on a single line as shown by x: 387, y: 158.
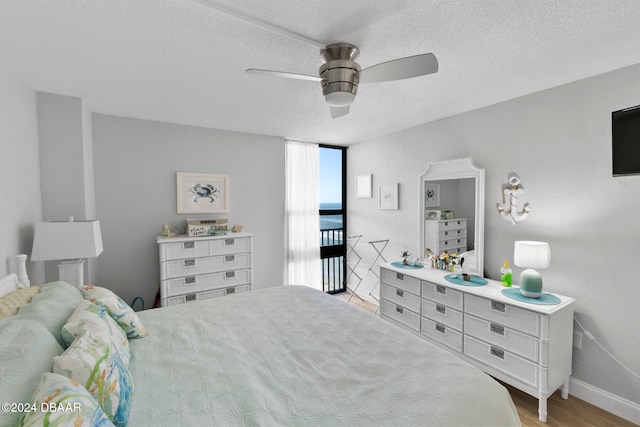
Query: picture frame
x: 431, y: 195
x: 363, y: 187
x: 202, y: 193
x: 388, y: 197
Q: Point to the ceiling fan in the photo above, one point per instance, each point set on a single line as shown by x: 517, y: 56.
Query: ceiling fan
x: 340, y: 75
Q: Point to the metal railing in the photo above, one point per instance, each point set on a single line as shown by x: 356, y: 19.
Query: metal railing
x: 332, y: 252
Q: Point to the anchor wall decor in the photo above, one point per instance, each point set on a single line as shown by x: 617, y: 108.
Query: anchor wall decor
x: 509, y: 209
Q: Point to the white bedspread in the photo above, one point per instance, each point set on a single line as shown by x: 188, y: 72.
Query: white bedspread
x: 295, y: 356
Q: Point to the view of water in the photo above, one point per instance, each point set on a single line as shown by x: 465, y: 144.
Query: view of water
x: 330, y: 221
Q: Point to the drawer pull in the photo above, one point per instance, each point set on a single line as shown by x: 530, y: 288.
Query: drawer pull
x: 497, y: 352
x: 399, y: 309
x: 188, y: 245
x: 441, y: 308
x: 498, y: 306
x: 446, y: 223
x: 497, y: 329
x: 189, y: 262
x: 229, y: 274
x: 229, y: 242
x: 446, y: 233
x: 230, y: 290
x: 190, y: 297
x: 400, y: 293
x: 229, y: 258
x: 441, y: 289
x: 399, y: 276
x: 191, y: 280
x: 440, y: 328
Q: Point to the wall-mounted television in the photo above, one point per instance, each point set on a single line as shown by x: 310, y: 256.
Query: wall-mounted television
x: 625, y: 127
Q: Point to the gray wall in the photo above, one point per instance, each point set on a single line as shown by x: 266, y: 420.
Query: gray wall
x: 20, y: 206
x: 559, y: 142
x: 135, y: 189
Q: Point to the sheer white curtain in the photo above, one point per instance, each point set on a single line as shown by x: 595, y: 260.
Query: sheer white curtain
x: 302, y: 221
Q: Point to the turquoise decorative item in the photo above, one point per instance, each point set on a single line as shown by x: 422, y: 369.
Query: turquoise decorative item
x: 543, y: 299
x: 530, y: 283
x: 475, y: 280
x: 400, y: 264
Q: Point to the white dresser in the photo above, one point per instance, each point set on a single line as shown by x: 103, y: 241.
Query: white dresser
x: 196, y: 268
x: 446, y: 236
x: 525, y: 345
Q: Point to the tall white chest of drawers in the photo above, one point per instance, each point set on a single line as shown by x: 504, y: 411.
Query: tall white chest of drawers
x: 446, y: 236
x: 197, y: 268
x: 525, y: 345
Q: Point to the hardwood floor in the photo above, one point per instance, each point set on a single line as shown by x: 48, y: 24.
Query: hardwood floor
x: 572, y: 412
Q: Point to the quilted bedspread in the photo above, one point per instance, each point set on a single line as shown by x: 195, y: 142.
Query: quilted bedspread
x: 296, y: 356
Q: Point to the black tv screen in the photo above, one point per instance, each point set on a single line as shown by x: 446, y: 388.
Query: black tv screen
x: 625, y: 127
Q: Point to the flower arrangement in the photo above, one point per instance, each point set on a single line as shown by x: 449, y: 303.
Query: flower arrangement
x: 444, y: 261
x: 405, y: 255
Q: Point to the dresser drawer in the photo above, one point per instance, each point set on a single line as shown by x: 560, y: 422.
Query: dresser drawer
x: 401, y: 297
x: 504, y: 361
x: 442, y: 294
x: 514, y: 317
x: 442, y: 314
x: 452, y: 234
x: 205, y: 282
x: 441, y: 333
x: 401, y: 281
x: 195, y: 248
x: 454, y: 224
x: 502, y: 336
x: 400, y: 314
x: 450, y: 244
x: 195, y: 266
x: 181, y: 299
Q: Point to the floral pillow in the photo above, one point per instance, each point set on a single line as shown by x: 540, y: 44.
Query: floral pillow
x: 118, y: 309
x: 95, y: 318
x: 90, y: 361
x: 61, y: 401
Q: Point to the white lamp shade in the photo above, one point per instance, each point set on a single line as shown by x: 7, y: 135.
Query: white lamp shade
x: 530, y: 254
x: 59, y: 240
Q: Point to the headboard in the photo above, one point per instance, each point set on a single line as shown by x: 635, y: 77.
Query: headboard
x: 13, y: 281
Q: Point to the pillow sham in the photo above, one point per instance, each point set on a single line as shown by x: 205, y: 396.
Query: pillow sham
x: 95, y: 319
x: 10, y: 303
x: 52, y: 307
x: 27, y: 349
x: 55, y: 392
x: 118, y: 309
x: 91, y: 361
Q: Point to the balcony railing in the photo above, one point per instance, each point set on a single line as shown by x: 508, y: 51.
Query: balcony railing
x: 333, y: 252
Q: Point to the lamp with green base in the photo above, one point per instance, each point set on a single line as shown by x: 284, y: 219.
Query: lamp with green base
x: 531, y: 255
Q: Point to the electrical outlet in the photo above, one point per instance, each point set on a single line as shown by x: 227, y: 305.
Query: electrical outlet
x: 577, y: 340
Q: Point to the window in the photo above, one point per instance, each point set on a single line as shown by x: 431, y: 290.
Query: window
x: 333, y: 220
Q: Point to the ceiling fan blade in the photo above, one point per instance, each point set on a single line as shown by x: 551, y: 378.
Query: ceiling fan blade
x: 398, y: 69
x: 338, y: 111
x: 284, y: 74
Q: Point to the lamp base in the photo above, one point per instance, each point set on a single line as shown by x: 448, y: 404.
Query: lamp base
x: 530, y: 283
x: 72, y: 272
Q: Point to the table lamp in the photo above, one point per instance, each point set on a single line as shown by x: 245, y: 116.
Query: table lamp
x: 69, y: 241
x: 531, y: 255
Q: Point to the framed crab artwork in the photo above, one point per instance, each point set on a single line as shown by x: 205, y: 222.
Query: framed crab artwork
x: 202, y: 193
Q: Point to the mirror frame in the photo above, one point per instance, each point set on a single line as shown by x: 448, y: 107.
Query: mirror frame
x: 457, y: 169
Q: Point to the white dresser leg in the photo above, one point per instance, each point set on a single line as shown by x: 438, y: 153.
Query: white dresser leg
x: 542, y: 409
x: 564, y: 391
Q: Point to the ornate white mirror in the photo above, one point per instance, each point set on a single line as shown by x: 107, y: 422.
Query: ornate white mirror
x: 452, y: 211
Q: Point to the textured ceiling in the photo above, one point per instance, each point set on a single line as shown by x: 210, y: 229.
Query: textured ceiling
x: 184, y: 61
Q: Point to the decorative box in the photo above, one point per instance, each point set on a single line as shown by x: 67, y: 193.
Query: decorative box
x: 206, y: 227
x: 447, y: 215
x: 432, y: 214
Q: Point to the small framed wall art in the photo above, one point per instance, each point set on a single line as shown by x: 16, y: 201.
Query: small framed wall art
x: 202, y: 193
x: 431, y: 195
x: 388, y: 197
x: 363, y: 186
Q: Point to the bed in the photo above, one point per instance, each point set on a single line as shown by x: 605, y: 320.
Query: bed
x: 286, y: 355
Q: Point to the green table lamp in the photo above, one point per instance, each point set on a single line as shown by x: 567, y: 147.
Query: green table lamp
x: 531, y: 255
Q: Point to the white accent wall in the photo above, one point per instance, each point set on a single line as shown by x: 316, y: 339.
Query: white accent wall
x: 559, y: 142
x: 135, y: 189
x: 20, y: 202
